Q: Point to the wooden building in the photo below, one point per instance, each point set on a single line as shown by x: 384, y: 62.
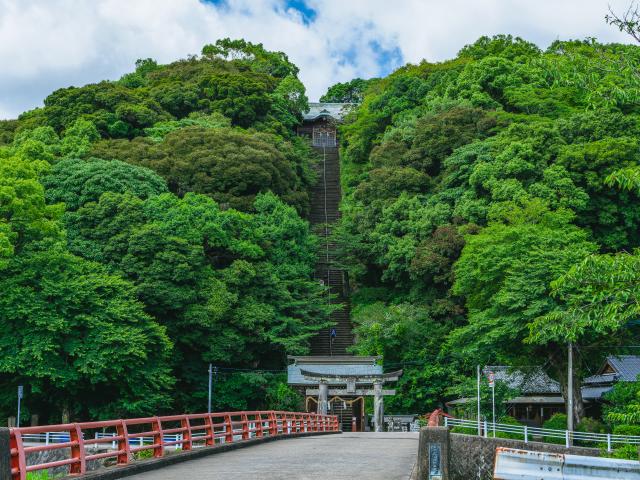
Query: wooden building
x: 319, y: 123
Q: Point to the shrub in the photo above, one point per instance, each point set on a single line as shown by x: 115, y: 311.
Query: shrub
x: 626, y: 452
x: 557, y: 422
x: 507, y: 420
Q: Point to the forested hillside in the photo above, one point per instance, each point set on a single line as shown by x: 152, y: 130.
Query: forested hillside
x: 155, y: 224
x: 151, y: 225
x: 491, y: 213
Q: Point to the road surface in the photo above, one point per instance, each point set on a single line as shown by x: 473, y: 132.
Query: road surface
x: 366, y: 456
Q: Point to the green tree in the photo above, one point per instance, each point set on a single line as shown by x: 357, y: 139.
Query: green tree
x: 231, y: 288
x: 231, y: 166
x: 346, y: 92
x: 76, y: 182
x: 242, y: 52
x: 504, y: 273
x: 79, y: 339
x: 71, y: 331
x: 598, y: 307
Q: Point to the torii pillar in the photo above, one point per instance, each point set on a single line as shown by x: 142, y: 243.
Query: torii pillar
x: 323, y: 397
x: 378, y: 406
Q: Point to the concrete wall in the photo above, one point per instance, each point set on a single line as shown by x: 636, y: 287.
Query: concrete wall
x: 467, y: 457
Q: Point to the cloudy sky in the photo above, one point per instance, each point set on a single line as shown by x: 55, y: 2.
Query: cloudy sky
x: 48, y: 44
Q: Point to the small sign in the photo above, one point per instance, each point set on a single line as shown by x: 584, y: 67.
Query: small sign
x: 435, y: 461
x: 20, y: 391
x: 492, y: 379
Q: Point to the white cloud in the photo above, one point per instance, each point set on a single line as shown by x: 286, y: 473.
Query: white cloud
x: 50, y: 44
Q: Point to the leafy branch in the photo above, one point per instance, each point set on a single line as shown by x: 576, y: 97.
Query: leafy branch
x: 629, y: 22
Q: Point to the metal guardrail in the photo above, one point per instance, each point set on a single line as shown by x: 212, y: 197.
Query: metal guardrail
x: 513, y: 464
x: 122, y: 438
x: 489, y: 429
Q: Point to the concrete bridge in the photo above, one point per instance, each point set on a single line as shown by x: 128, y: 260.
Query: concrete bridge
x: 370, y: 456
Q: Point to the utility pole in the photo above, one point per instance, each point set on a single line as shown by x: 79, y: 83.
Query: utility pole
x: 478, y: 382
x: 570, y: 392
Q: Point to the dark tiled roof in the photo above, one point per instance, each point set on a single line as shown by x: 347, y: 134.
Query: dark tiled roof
x: 531, y: 382
x: 333, y: 110
x: 331, y: 366
x: 626, y: 367
x: 594, y: 393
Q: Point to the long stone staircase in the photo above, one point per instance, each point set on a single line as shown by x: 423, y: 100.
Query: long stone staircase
x: 325, y: 211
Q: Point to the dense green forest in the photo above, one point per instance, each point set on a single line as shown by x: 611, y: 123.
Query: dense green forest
x: 490, y: 213
x: 151, y: 225
x: 154, y: 224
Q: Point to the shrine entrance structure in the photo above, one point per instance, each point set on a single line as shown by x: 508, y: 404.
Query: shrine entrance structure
x: 338, y: 385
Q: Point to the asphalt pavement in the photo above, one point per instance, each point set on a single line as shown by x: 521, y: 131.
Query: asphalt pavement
x: 370, y: 456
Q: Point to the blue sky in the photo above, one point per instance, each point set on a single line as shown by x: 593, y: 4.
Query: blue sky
x: 49, y: 44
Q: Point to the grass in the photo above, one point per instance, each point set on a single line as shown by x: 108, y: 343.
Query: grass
x: 40, y: 475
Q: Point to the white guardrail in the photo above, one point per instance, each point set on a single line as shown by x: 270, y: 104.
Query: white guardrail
x: 489, y: 429
x: 62, y: 437
x: 513, y: 464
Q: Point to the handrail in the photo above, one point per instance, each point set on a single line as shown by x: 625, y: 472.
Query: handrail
x: 125, y: 437
x: 610, y: 439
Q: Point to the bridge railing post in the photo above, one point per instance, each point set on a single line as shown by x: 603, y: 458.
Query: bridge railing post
x: 124, y: 449
x: 228, y: 438
x: 209, y: 431
x: 245, y: 426
x: 18, y: 461
x: 258, y: 420
x: 273, y: 424
x: 187, y: 442
x: 77, y: 451
x: 158, y: 438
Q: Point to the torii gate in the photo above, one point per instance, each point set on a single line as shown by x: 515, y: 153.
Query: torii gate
x: 351, y: 388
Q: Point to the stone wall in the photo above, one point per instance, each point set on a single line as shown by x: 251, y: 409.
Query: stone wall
x: 38, y: 458
x: 466, y: 457
x: 47, y: 456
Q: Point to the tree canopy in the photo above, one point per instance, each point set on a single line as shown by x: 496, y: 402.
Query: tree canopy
x: 492, y: 193
x: 152, y: 225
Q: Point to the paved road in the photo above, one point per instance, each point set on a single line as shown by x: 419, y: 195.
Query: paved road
x: 367, y: 456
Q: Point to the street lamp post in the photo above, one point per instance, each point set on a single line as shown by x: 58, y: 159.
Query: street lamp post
x: 20, y: 393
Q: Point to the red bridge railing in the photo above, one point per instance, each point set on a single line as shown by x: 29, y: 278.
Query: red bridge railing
x: 82, y: 441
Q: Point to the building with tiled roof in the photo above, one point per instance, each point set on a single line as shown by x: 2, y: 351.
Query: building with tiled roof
x: 540, y: 396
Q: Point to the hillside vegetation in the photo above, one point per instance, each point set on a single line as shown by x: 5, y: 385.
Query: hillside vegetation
x: 151, y: 225
x: 155, y: 224
x: 491, y: 213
